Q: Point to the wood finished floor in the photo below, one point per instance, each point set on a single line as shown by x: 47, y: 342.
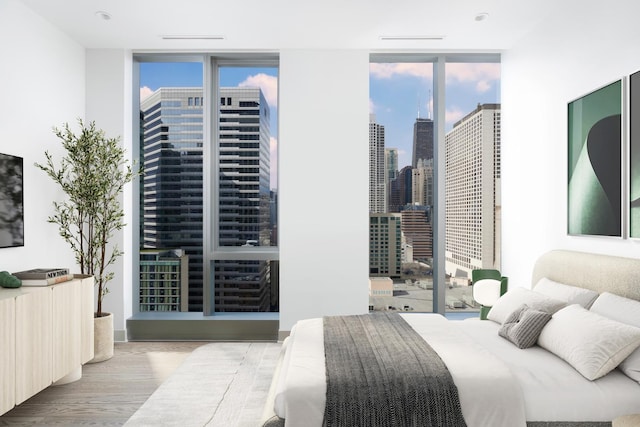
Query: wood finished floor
x: 108, y: 392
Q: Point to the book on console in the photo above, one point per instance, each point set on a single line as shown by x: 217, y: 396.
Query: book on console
x: 47, y: 282
x: 41, y: 273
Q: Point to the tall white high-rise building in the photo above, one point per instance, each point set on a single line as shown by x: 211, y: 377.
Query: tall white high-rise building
x: 472, y: 195
x: 385, y: 245
x: 377, y: 171
x: 422, y: 183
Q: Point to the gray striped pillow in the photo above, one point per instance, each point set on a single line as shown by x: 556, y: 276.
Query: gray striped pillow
x: 523, y: 326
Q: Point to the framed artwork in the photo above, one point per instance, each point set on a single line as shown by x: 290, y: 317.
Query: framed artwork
x: 595, y: 163
x: 634, y: 155
x: 11, y: 201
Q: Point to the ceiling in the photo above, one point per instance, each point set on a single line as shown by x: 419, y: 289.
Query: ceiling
x: 291, y: 24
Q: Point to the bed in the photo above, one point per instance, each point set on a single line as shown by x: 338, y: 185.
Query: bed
x: 564, y: 352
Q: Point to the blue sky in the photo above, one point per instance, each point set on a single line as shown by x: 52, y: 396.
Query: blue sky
x: 397, y: 93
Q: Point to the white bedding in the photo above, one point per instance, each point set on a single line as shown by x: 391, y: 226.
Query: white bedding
x: 553, y: 390
x: 300, y: 393
x: 498, y: 383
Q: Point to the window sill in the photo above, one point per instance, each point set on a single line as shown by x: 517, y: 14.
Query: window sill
x: 191, y: 326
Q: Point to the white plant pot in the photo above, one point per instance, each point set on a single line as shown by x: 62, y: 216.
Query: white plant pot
x: 102, y: 338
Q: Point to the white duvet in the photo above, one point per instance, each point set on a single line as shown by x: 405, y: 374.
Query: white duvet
x: 498, y: 383
x: 489, y: 395
x: 553, y: 390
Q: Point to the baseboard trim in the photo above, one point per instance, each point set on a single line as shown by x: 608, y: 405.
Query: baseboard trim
x: 119, y: 335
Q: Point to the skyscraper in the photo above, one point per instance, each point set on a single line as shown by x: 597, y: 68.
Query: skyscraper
x: 422, y: 183
x: 377, y: 182
x: 385, y: 245
x: 472, y: 195
x: 173, y: 188
x: 244, y: 188
x: 244, y: 201
x: 422, y: 141
x: 401, y: 190
x: 172, y: 180
x: 164, y: 280
x: 391, y: 163
x: 416, y: 227
x: 391, y: 173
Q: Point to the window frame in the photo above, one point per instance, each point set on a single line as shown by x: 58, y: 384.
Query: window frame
x: 212, y: 251
x: 439, y: 113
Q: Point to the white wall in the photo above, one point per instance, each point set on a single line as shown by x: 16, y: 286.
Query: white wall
x: 42, y: 85
x: 109, y: 104
x: 323, y: 183
x: 560, y: 61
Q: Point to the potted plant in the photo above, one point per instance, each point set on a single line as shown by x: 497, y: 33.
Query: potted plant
x: 92, y: 174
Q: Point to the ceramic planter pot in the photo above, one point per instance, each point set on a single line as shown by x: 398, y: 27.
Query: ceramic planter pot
x: 102, y: 338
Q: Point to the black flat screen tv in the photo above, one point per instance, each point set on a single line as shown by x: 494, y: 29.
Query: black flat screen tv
x: 11, y: 201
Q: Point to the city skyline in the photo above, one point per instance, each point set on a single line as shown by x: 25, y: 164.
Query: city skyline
x: 402, y: 92
x: 173, y: 193
x: 399, y: 93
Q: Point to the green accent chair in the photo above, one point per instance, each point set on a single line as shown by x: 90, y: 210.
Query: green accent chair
x: 488, y: 286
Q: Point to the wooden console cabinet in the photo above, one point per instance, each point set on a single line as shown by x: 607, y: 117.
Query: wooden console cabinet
x: 46, y: 335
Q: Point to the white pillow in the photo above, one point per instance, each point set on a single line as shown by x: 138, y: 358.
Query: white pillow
x: 568, y: 293
x: 591, y: 343
x: 514, y: 298
x: 627, y: 311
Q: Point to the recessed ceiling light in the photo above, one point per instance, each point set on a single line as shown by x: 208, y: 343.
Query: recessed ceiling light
x: 427, y: 37
x: 191, y: 37
x: 481, y: 16
x: 105, y: 16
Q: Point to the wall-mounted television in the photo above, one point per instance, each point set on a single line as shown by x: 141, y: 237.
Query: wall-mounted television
x: 11, y: 201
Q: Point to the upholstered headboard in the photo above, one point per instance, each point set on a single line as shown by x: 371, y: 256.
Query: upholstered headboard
x: 600, y: 273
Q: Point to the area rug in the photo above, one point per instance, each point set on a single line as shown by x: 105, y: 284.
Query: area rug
x: 218, y: 384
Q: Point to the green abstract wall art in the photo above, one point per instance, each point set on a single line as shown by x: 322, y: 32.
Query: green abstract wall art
x: 634, y: 155
x: 595, y: 171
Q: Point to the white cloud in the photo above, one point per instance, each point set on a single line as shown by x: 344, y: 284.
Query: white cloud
x: 482, y: 86
x: 453, y: 115
x: 268, y: 84
x: 372, y: 106
x: 484, y: 75
x: 387, y: 71
x: 145, y: 92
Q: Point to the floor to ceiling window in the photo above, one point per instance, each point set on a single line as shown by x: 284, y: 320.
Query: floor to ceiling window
x: 401, y: 162
x: 208, y: 199
x: 472, y: 176
x: 413, y: 135
x: 244, y: 257
x: 171, y: 194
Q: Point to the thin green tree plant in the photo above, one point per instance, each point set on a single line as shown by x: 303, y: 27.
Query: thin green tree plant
x: 92, y: 174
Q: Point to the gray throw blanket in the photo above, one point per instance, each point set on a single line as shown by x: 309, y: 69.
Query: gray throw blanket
x: 380, y: 372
